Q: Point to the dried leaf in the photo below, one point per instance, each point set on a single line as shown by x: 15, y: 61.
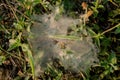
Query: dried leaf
x: 88, y: 14
x: 84, y: 5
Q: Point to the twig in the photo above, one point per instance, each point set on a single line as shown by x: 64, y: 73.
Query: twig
x: 12, y: 10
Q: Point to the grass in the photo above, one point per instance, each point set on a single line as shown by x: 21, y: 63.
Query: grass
x: 15, y: 49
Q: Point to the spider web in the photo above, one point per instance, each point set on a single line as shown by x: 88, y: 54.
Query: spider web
x: 50, y: 40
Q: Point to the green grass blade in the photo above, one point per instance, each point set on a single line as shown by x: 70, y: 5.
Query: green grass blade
x: 26, y: 49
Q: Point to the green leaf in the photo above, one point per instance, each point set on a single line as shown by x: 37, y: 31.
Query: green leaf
x: 97, y: 41
x: 114, y: 13
x: 2, y: 59
x: 92, y: 33
x: 112, y: 58
x: 18, y: 26
x: 14, y: 43
x: 97, y: 37
x: 104, y: 74
x: 100, y: 6
x: 117, y: 31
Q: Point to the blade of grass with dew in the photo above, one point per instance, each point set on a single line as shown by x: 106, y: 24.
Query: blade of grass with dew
x: 65, y: 37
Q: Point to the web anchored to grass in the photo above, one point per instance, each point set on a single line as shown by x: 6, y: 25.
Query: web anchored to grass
x: 64, y: 38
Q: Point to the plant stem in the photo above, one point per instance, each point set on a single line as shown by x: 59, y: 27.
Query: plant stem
x: 110, y: 29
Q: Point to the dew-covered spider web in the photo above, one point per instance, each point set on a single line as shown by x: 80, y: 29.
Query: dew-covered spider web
x: 63, y: 38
